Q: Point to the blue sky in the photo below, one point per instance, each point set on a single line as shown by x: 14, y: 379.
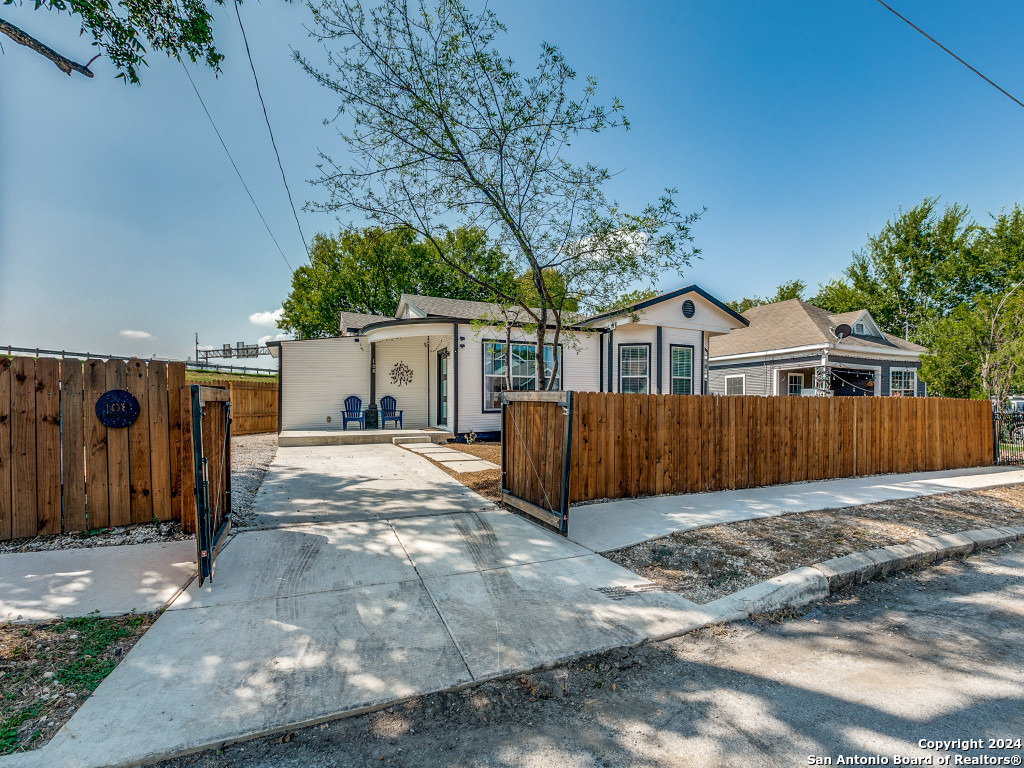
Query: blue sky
x: 801, y: 126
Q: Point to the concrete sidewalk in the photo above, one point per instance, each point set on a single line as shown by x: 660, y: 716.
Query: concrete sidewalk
x: 35, y: 586
x: 615, y: 524
x: 306, y: 622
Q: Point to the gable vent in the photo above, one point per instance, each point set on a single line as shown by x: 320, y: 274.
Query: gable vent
x: 688, y: 308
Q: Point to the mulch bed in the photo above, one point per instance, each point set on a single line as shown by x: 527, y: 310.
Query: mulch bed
x: 48, y: 669
x: 712, y: 562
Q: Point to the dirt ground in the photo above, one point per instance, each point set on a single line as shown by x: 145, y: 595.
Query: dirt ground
x: 48, y: 670
x: 872, y: 668
x: 709, y: 563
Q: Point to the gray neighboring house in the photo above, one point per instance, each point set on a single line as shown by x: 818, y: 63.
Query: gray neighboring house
x: 788, y: 348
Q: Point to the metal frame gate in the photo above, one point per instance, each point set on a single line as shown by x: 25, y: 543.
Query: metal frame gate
x: 1008, y: 437
x: 535, y: 425
x: 211, y: 408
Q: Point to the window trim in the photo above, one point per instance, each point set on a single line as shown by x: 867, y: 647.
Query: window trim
x: 483, y: 368
x: 743, y: 380
x: 903, y: 370
x: 789, y: 383
x: 645, y: 344
x: 671, y: 377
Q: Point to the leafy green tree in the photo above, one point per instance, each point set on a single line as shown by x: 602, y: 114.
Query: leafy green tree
x: 978, y: 351
x: 122, y: 30
x: 792, y: 289
x: 977, y: 347
x: 629, y: 299
x: 367, y: 271
x: 838, y: 296
x: 918, y: 268
x: 440, y: 126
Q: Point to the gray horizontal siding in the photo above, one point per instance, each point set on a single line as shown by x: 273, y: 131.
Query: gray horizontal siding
x: 755, y: 383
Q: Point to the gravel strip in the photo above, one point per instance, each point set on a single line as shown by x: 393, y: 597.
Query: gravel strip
x: 251, y: 456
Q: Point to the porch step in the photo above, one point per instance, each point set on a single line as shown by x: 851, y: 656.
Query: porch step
x: 411, y: 439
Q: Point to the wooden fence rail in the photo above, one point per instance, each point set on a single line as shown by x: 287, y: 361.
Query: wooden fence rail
x: 62, y: 470
x: 627, y: 445
x: 253, y: 405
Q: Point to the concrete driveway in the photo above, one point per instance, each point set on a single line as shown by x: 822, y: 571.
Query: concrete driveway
x: 347, y: 483
x: 369, y: 576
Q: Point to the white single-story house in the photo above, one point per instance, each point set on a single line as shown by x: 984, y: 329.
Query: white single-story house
x: 792, y: 348
x: 446, y: 367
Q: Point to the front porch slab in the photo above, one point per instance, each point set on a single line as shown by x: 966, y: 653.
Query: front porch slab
x: 296, y: 438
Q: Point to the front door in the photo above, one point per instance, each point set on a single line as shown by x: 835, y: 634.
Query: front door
x: 442, y: 387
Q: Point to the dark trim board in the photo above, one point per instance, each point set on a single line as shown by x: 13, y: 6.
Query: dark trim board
x: 280, y: 390
x: 635, y: 344
x: 455, y: 378
x: 660, y: 345
x: 611, y: 362
x: 705, y: 384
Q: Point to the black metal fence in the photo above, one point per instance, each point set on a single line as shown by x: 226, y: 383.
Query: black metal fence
x: 1009, y: 438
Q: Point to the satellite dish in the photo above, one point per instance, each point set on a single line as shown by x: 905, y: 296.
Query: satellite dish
x: 841, y: 331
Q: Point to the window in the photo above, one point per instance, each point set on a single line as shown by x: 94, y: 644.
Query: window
x: 903, y: 382
x: 634, y: 368
x: 796, y: 384
x: 520, y: 367
x: 681, y: 370
x: 736, y: 385
x: 859, y: 329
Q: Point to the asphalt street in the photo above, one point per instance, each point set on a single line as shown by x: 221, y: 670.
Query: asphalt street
x: 924, y: 665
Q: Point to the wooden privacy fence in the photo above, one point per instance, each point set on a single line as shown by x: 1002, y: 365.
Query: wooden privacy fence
x: 625, y: 445
x: 62, y: 470
x: 253, y: 405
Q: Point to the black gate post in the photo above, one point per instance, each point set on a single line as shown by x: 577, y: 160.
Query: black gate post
x: 995, y: 437
x: 203, y: 533
x: 563, y: 526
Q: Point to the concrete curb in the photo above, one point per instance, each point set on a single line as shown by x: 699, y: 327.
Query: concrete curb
x: 862, y: 567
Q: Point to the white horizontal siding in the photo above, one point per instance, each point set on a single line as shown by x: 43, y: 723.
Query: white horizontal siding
x: 706, y: 316
x: 411, y: 398
x: 317, y: 376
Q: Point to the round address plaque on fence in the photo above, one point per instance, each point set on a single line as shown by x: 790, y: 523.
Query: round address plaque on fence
x: 117, y: 408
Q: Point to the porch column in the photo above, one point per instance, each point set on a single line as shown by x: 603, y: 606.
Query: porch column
x: 373, y: 372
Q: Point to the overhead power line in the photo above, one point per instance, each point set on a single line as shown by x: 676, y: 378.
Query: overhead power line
x: 233, y: 165
x: 270, y: 130
x: 987, y: 80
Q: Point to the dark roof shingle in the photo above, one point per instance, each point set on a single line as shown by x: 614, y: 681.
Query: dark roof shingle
x: 795, y: 323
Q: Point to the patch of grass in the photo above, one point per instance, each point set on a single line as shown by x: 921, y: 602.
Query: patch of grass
x: 205, y: 377
x: 49, y: 668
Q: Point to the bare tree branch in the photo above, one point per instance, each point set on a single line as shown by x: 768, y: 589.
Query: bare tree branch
x: 64, y: 64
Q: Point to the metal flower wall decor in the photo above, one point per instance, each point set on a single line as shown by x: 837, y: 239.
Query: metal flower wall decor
x: 401, y: 374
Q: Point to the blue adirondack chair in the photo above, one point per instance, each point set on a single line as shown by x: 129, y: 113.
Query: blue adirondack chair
x: 353, y: 412
x: 388, y: 412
